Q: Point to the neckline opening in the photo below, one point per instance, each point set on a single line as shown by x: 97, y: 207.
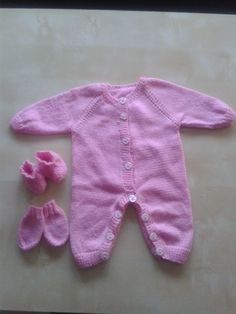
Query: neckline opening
x: 108, y: 87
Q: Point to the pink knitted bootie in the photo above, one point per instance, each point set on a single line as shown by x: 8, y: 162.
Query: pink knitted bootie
x: 56, y: 229
x: 51, y: 165
x: 33, y: 178
x: 30, y: 229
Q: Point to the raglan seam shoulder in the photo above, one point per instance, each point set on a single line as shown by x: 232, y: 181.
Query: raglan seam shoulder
x: 159, y: 105
x: 85, y: 114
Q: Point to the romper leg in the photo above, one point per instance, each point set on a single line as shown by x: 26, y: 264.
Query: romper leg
x: 165, y: 217
x: 94, y: 227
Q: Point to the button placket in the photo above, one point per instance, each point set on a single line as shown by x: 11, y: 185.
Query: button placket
x: 158, y: 244
x: 122, y: 100
x: 125, y: 142
x: 123, y: 116
x: 128, y: 165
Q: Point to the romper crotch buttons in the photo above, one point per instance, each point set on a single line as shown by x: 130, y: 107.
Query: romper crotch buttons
x: 132, y: 198
x: 153, y: 236
x: 105, y: 255
x: 118, y: 214
x: 145, y: 217
x: 110, y: 236
x: 160, y: 251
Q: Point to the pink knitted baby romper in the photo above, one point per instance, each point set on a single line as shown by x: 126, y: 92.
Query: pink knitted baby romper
x: 126, y: 148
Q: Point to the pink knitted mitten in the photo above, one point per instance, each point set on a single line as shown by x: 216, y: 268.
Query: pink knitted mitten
x: 30, y: 228
x: 32, y: 177
x: 56, y: 230
x: 51, y: 165
x: 49, y: 221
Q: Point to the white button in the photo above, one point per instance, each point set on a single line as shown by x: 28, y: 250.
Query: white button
x: 160, y: 251
x: 145, y: 217
x: 132, y: 198
x: 125, y: 140
x: 123, y: 116
x: 122, y: 100
x: 105, y: 255
x: 118, y: 214
x: 128, y: 165
x: 110, y: 236
x: 153, y: 236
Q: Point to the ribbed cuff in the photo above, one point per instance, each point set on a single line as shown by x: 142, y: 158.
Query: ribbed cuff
x: 229, y: 117
x: 36, y: 212
x: 89, y: 259
x: 174, y: 254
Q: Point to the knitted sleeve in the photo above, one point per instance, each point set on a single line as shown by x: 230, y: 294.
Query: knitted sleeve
x: 53, y: 115
x: 188, y: 107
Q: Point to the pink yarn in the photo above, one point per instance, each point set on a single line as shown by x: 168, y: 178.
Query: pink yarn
x: 49, y: 221
x: 33, y: 179
x: 31, y: 228
x: 51, y: 165
x: 126, y: 148
x: 56, y: 229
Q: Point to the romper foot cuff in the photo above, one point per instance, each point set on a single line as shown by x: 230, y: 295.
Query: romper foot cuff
x: 90, y: 259
x: 172, y: 253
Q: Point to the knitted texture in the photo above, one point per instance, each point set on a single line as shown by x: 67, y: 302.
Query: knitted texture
x: 33, y: 179
x: 56, y: 229
x: 51, y: 165
x: 49, y: 221
x: 126, y: 148
x: 30, y: 229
